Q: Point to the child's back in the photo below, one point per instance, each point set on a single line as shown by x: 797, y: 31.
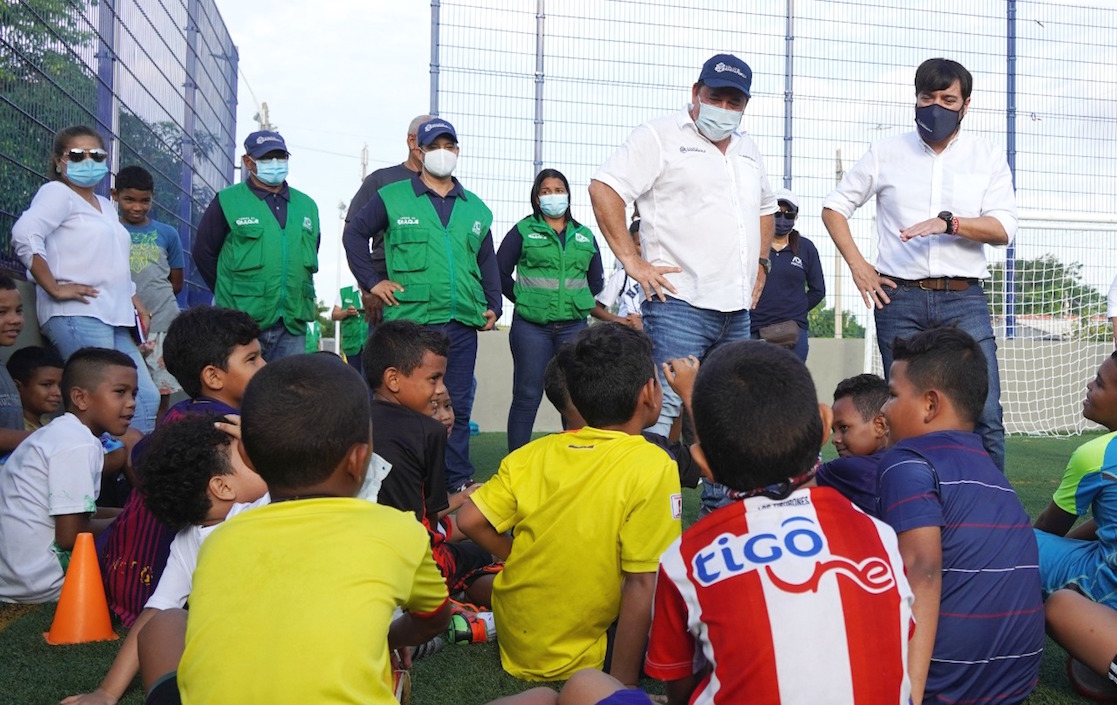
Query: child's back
x: 990, y: 628
x: 789, y: 595
x: 586, y: 507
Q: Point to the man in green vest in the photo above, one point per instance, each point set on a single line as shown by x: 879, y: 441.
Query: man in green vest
x: 441, y: 269
x: 354, y: 325
x: 257, y: 248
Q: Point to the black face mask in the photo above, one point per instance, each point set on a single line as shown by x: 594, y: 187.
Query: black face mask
x: 936, y: 123
x: 784, y: 224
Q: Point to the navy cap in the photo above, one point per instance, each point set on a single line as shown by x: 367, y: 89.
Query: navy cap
x: 431, y: 129
x: 727, y: 71
x: 263, y: 141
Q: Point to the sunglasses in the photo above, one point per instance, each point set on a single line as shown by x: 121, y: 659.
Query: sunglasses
x: 788, y: 214
x: 80, y: 155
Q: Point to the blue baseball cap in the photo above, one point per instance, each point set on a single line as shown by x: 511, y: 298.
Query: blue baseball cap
x: 431, y: 129
x: 727, y: 71
x: 261, y: 142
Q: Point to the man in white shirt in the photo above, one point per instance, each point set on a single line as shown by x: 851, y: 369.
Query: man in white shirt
x: 706, y: 219
x: 942, y: 195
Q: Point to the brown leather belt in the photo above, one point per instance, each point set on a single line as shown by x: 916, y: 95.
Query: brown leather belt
x: 935, y: 283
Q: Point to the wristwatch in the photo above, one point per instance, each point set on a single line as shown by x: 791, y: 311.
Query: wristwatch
x: 767, y: 264
x: 951, y: 222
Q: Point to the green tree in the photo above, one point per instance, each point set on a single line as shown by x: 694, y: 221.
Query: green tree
x: 820, y: 324
x: 324, y: 319
x: 1045, y: 286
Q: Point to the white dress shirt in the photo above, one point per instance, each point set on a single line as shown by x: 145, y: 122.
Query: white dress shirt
x: 970, y: 178
x: 80, y: 245
x: 699, y: 209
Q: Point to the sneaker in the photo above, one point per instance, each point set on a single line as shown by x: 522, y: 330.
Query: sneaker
x: 1090, y: 684
x: 428, y: 649
x: 462, y: 487
x: 401, y: 686
x: 470, y: 624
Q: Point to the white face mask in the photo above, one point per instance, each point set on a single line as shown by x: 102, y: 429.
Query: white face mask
x: 440, y: 162
x: 716, y: 123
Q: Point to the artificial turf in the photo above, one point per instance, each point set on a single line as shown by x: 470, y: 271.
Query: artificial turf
x: 32, y: 672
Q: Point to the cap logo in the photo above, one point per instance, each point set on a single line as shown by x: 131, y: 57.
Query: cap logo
x: 266, y: 138
x: 721, y: 67
x: 430, y: 127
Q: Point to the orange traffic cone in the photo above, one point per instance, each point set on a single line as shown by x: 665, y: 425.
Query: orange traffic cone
x: 83, y: 611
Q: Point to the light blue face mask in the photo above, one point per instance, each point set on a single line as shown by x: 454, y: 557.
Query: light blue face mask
x: 716, y: 123
x: 272, y: 172
x: 86, y: 173
x: 554, y: 204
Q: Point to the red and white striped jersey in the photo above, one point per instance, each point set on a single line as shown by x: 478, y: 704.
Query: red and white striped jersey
x: 802, y: 600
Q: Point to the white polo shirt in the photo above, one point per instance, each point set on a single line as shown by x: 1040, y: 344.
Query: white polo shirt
x: 912, y: 184
x: 699, y: 209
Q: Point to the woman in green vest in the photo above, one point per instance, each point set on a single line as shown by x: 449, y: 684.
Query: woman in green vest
x: 557, y: 273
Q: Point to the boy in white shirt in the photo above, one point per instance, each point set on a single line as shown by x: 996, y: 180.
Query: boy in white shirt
x: 49, y: 485
x: 194, y: 479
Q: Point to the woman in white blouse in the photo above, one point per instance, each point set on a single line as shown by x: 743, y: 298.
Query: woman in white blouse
x: 78, y: 254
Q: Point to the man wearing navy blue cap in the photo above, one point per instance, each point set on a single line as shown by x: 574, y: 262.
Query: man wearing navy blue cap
x: 257, y: 248
x: 441, y: 269
x: 706, y: 220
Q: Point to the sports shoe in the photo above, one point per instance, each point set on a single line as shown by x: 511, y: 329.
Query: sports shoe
x: 428, y: 649
x: 1090, y: 684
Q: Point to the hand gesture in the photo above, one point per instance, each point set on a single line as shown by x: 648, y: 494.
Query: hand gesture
x: 634, y: 321
x: 374, y: 308
x: 97, y: 697
x: 650, y: 276
x: 871, y: 284
x: 931, y: 226
x: 73, y: 292
x: 680, y: 374
x: 230, y: 425
x: 490, y: 320
x: 385, y: 290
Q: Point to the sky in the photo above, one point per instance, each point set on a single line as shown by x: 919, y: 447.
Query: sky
x: 348, y: 73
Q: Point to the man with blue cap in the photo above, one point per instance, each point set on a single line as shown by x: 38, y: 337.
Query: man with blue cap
x: 257, y: 248
x: 706, y: 222
x: 441, y: 269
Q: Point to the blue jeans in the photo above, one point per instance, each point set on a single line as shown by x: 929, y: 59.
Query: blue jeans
x: 276, y: 342
x: 533, y: 345
x: 459, y: 385
x: 913, y: 310
x: 678, y: 329
x: 802, y: 347
x: 71, y: 333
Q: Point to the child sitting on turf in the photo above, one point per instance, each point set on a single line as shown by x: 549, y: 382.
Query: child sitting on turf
x: 213, y: 352
x: 156, y: 263
x: 194, y: 478
x: 12, y: 431
x: 37, y: 373
x: 815, y: 588
x: 966, y: 540
x: 49, y: 485
x: 590, y: 512
x: 1084, y: 559
x: 680, y: 375
x: 404, y: 364
x: 293, y: 602
x: 443, y: 413
x: 860, y: 437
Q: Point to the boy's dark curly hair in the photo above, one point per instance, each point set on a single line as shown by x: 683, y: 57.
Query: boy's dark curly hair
x: 176, y: 463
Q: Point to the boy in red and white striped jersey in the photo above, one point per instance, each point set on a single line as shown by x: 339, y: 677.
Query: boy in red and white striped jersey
x: 789, y: 595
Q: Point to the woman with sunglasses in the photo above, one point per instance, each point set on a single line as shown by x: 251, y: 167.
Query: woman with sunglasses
x: 558, y: 272
x: 77, y: 251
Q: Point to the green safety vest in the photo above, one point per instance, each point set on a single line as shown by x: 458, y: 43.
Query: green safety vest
x: 354, y: 330
x: 436, y: 265
x: 264, y: 270
x: 551, y: 283
x: 313, y: 336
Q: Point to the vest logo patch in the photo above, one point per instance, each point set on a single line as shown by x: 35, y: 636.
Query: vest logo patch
x: 477, y: 227
x: 307, y: 225
x: 676, y: 506
x: 797, y: 262
x: 248, y: 220
x: 579, y: 237
x: 407, y: 220
x: 536, y: 236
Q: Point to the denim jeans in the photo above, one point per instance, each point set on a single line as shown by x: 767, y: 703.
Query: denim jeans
x: 913, y: 310
x: 70, y: 333
x: 533, y: 345
x: 459, y: 384
x: 678, y: 329
x: 276, y: 342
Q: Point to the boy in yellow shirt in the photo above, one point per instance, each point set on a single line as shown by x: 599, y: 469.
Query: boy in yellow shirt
x: 590, y: 512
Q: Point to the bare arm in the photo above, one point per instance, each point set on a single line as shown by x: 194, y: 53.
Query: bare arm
x: 61, y: 292
x: 1087, y: 532
x: 922, y: 552
x: 1054, y: 520
x: 679, y: 691
x: 176, y: 279
x: 412, y: 630
x: 608, y: 208
x: 767, y: 230
x: 865, y: 275
x: 474, y: 525
x: 68, y: 526
x: 984, y: 229
x: 632, y: 627
x: 123, y: 670
x: 10, y: 438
